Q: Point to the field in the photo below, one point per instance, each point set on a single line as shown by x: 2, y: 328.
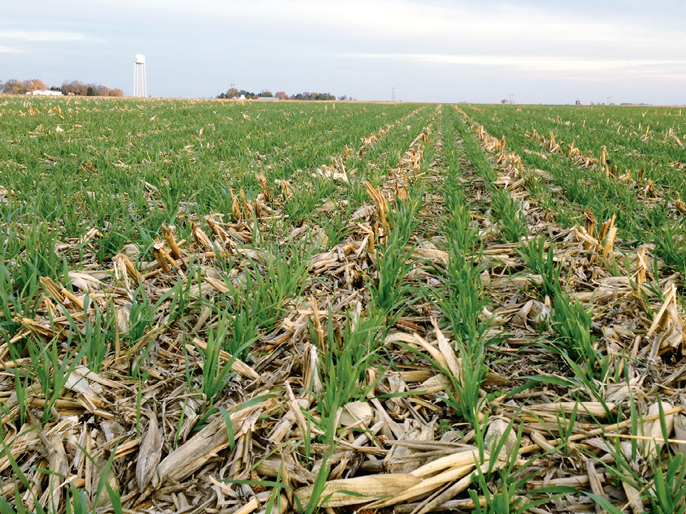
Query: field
x: 237, y: 307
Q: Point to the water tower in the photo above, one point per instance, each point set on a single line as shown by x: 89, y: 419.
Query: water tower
x: 140, y: 83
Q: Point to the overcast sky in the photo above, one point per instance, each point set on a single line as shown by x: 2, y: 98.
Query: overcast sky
x: 430, y: 50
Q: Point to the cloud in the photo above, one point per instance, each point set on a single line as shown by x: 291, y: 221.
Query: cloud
x: 40, y: 36
x: 364, y: 20
x: 376, y: 26
x: 525, y: 63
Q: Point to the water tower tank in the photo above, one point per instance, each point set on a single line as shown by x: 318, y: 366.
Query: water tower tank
x: 140, y: 59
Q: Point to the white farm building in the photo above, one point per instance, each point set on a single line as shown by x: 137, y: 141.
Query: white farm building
x: 44, y: 92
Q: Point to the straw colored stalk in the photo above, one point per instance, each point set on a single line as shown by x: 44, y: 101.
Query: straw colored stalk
x: 466, y: 464
x: 238, y: 365
x: 125, y: 270
x: 201, y: 237
x: 221, y: 234
x: 161, y: 256
x: 381, y: 204
x: 660, y: 320
x: 337, y: 493
x: 168, y: 235
x: 594, y: 409
x: 60, y: 294
x: 212, y: 439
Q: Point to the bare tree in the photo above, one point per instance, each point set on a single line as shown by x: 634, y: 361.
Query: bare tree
x: 78, y: 88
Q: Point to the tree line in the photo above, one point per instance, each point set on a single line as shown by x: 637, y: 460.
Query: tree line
x: 75, y: 88
x: 281, y: 95
x: 78, y: 88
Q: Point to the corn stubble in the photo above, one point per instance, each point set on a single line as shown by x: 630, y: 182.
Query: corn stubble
x: 237, y: 307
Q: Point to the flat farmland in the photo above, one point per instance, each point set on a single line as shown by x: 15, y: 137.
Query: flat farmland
x: 237, y: 307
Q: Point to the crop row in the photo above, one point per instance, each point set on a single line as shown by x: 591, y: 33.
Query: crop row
x: 608, y: 173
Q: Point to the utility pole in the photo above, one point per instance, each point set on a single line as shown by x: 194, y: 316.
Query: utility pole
x: 393, y: 94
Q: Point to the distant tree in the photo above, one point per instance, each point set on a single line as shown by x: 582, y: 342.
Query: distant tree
x: 503, y: 101
x: 281, y: 95
x: 34, y: 85
x: 10, y: 87
x: 313, y: 96
x: 231, y: 93
x: 75, y: 87
x: 78, y: 88
x: 343, y: 98
x: 17, y: 87
x: 266, y: 94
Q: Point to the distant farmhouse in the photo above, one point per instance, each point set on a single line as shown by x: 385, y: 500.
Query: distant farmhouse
x: 44, y: 92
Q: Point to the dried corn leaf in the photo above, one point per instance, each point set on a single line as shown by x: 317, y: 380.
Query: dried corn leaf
x: 364, y: 489
x: 149, y: 454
